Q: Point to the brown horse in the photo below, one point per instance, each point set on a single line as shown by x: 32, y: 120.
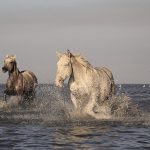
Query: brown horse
x: 19, y: 83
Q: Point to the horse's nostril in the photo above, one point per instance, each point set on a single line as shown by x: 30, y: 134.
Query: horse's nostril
x: 4, y: 69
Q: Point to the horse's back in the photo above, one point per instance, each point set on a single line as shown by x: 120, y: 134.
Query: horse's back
x: 29, y: 76
x: 106, y: 71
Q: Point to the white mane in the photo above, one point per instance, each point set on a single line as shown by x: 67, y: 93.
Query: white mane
x: 83, y: 61
x: 10, y: 58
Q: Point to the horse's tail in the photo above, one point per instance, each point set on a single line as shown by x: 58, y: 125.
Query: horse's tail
x: 113, y: 87
x: 35, y: 80
x: 111, y: 77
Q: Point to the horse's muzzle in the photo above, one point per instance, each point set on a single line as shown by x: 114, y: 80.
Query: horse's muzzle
x: 4, y: 69
x: 59, y: 82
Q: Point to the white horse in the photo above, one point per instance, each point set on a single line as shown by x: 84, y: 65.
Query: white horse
x: 89, y: 86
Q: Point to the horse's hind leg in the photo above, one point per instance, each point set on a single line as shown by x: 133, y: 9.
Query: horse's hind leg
x: 94, y: 108
x: 30, y: 96
x: 91, y: 108
x: 34, y: 95
x: 5, y: 96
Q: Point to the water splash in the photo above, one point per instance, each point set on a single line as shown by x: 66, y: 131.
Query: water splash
x: 53, y: 106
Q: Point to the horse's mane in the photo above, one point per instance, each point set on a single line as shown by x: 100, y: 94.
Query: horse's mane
x: 83, y: 61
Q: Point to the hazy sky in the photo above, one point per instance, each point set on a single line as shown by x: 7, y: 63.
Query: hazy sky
x: 112, y: 33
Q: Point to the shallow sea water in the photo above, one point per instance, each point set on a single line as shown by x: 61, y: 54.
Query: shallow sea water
x: 49, y: 123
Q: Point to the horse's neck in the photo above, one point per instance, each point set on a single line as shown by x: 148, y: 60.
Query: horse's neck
x: 13, y: 75
x: 78, y: 71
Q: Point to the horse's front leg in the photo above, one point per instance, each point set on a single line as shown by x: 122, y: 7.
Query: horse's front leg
x: 92, y: 107
x: 20, y: 94
x: 6, y: 92
x: 74, y: 101
x: 74, y: 93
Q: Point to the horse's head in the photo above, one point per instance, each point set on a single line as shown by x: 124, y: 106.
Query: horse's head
x: 64, y: 68
x: 9, y: 62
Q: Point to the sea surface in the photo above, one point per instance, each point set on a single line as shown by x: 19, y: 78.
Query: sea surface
x: 50, y: 123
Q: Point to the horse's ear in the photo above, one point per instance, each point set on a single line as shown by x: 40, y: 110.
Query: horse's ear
x: 7, y: 56
x: 68, y: 53
x: 58, y: 55
x: 14, y: 57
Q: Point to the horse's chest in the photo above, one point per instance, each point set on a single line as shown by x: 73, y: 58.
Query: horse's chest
x: 78, y: 91
x: 13, y: 85
x: 10, y: 84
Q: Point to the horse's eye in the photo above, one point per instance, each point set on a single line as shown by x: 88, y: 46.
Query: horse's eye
x: 11, y: 62
x: 66, y: 65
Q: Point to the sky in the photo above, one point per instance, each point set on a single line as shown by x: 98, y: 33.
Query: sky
x: 111, y: 33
